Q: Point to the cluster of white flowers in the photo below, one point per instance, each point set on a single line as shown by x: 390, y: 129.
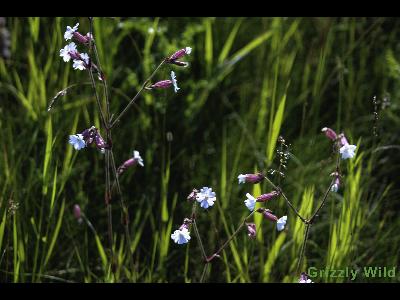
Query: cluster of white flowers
x: 80, y: 60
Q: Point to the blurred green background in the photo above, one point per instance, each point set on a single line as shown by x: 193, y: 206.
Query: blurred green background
x: 249, y: 81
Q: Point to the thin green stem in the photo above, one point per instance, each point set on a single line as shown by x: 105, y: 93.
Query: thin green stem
x: 303, y: 247
x: 136, y: 96
x: 287, y: 200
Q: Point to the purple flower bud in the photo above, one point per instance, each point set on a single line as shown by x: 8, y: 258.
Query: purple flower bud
x: 186, y: 224
x: 267, y: 214
x: 77, y: 213
x: 192, y: 195
x: 179, y: 54
x: 164, y: 84
x: 329, y: 133
x: 304, y: 278
x: 136, y: 159
x: 180, y: 63
x: 343, y: 140
x: 81, y: 38
x: 266, y: 197
x: 100, y: 144
x: 251, y: 230
x: 251, y: 178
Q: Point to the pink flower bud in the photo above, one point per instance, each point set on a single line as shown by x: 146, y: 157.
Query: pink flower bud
x: 186, y: 224
x: 251, y: 178
x: 329, y: 133
x: 267, y: 214
x: 343, y: 140
x: 77, y: 213
x: 266, y: 197
x: 80, y: 38
x: 161, y: 84
x: 251, y: 230
x: 179, y: 54
x: 192, y: 195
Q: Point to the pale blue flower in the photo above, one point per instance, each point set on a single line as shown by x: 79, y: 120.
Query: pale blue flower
x: 77, y: 141
x: 181, y: 236
x: 281, y: 223
x: 250, y: 202
x: 206, y: 197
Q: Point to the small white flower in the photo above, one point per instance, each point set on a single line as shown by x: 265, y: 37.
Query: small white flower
x: 250, y: 202
x: 280, y: 224
x: 69, y: 33
x: 138, y: 158
x: 85, y: 58
x: 78, y: 65
x: 335, y: 188
x: 181, y: 236
x: 150, y: 30
x: 347, y: 151
x: 77, y: 141
x: 242, y: 178
x: 65, y: 52
x: 206, y: 197
x: 188, y: 50
x: 174, y: 82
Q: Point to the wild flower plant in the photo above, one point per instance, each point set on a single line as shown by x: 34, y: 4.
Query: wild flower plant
x: 87, y: 59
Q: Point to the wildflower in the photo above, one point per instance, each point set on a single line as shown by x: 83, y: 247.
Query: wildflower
x: 136, y: 159
x: 67, y: 51
x: 268, y: 196
x: 250, y: 202
x: 82, y: 63
x: 250, y: 178
x: 77, y: 141
x: 281, y: 223
x: 251, y: 230
x: 304, y: 278
x: 329, y: 133
x: 181, y: 236
x: 178, y: 54
x: 174, y: 82
x: 347, y: 151
x: 87, y: 137
x: 206, y: 197
x: 69, y: 33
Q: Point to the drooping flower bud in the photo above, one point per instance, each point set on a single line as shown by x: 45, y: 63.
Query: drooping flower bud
x: 250, y: 178
x: 267, y: 214
x: 178, y: 54
x: 329, y: 133
x: 266, y: 197
x: 186, y: 224
x: 163, y: 84
x: 251, y: 230
x: 136, y: 159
